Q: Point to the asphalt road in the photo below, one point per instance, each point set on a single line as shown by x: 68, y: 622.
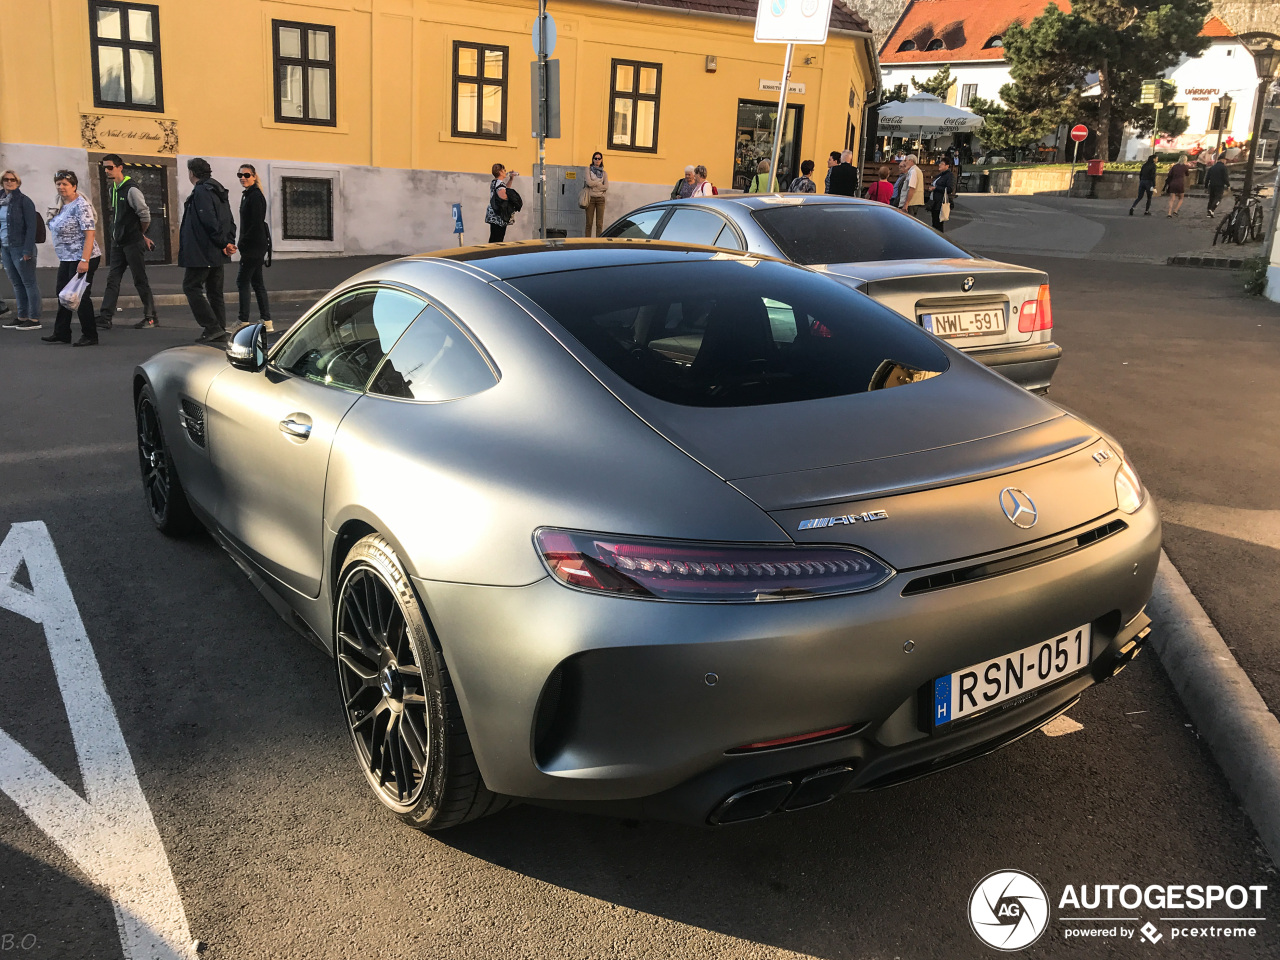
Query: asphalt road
x: 278, y: 850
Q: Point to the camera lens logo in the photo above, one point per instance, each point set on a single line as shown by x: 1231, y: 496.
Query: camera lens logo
x: 1008, y: 910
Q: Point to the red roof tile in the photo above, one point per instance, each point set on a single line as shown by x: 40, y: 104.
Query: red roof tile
x: 843, y: 15
x: 1213, y: 27
x: 963, y: 26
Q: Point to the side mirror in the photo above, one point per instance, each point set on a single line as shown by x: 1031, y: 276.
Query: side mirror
x: 247, y: 349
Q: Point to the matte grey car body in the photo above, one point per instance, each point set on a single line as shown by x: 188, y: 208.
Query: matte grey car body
x: 902, y: 263
x: 696, y: 711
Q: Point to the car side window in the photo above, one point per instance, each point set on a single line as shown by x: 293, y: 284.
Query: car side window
x: 689, y: 225
x: 434, y: 361
x: 640, y: 224
x: 342, y: 343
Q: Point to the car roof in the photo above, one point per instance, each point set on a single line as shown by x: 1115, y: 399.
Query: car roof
x: 762, y: 201
x: 524, y: 258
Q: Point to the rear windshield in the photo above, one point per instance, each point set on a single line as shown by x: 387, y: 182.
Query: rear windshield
x: 735, y: 332
x: 850, y: 233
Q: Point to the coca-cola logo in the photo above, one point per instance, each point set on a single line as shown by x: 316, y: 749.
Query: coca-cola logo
x: 891, y: 119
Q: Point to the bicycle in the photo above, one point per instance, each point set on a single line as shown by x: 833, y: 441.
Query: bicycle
x: 1244, y: 222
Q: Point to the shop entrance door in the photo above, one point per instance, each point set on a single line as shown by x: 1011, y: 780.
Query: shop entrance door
x: 755, y: 142
x: 153, y: 180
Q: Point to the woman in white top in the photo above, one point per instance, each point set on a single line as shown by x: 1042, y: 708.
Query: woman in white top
x: 701, y: 185
x: 72, y: 229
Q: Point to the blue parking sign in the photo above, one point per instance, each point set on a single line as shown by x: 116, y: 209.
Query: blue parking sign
x: 457, y: 218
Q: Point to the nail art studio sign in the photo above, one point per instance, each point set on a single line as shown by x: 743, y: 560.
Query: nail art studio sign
x: 128, y: 134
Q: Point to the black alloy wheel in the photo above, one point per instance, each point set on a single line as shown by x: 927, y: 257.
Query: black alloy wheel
x: 400, y: 705
x: 382, y: 688
x: 166, y: 500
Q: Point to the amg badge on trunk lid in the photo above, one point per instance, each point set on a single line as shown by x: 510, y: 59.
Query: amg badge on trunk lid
x: 848, y: 518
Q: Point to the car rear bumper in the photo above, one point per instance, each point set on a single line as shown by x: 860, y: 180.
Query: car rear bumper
x: 629, y: 706
x: 1030, y: 365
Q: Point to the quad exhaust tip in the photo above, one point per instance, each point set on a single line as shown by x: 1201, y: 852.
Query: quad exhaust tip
x: 763, y: 799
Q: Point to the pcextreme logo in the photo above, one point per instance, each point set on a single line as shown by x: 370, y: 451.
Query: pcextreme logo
x: 1009, y: 910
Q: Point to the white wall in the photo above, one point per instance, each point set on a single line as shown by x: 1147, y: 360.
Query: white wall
x: 377, y: 210
x: 989, y: 75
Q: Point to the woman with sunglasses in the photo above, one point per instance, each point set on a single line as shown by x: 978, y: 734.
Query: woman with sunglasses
x: 254, y: 245
x: 18, y: 226
x: 597, y: 188
x: 72, y: 229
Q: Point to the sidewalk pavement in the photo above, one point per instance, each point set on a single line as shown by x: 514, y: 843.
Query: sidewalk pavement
x: 287, y: 280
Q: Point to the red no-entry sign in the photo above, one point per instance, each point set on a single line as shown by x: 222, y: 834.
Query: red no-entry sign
x: 1079, y: 133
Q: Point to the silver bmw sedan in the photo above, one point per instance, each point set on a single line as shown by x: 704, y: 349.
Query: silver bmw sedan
x: 651, y: 529
x: 999, y: 313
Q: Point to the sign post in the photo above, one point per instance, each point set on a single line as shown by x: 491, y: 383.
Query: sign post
x: 544, y: 38
x: 789, y: 22
x: 1079, y: 134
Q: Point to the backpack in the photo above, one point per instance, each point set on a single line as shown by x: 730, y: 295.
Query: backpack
x: 41, y: 234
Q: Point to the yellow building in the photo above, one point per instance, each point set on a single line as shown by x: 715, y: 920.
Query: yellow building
x: 368, y: 119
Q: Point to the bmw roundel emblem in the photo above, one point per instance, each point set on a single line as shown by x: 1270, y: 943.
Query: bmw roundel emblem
x: 967, y: 285
x: 1019, y: 508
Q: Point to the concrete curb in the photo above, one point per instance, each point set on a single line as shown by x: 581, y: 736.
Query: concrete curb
x: 50, y: 304
x: 1220, y: 261
x: 1224, y: 704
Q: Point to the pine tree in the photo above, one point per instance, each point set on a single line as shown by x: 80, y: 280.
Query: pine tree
x: 1054, y: 58
x: 938, y: 85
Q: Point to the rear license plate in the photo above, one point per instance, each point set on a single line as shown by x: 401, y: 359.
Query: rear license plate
x: 965, y: 323
x: 968, y: 692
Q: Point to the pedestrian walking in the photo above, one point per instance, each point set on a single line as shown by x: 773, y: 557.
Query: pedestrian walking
x: 683, y: 188
x: 762, y: 182
x: 844, y: 177
x: 499, y: 215
x: 942, y: 195
x: 1146, y: 185
x: 1175, y: 185
x: 882, y: 190
x: 130, y: 220
x: 206, y: 241
x: 74, y: 226
x: 833, y: 161
x: 804, y: 183
x: 911, y: 196
x: 702, y: 187
x: 1218, y: 180
x: 19, y: 233
x: 254, y: 246
x: 597, y: 190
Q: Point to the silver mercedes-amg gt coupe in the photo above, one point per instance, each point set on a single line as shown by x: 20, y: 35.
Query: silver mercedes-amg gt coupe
x: 652, y: 529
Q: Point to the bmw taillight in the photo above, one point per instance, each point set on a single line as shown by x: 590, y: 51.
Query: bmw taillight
x: 683, y: 570
x: 1036, y: 314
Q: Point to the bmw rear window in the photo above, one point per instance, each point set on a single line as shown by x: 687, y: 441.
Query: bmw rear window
x: 733, y: 332
x: 814, y: 233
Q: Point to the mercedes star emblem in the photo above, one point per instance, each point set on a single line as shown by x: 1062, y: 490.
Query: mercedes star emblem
x: 967, y: 285
x: 1018, y: 507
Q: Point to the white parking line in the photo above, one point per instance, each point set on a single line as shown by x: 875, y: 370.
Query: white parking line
x: 113, y: 837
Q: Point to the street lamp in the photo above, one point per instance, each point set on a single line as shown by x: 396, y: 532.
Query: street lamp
x: 1224, y: 109
x: 1265, y: 48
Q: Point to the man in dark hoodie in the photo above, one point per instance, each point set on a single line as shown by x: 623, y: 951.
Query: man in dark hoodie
x: 1146, y: 185
x: 130, y: 220
x: 206, y: 242
x: 1218, y: 180
x: 844, y: 177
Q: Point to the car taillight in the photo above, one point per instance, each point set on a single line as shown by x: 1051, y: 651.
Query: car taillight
x: 1036, y: 314
x: 679, y: 570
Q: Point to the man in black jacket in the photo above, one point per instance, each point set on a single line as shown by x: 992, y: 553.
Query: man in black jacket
x: 1218, y: 180
x: 944, y: 191
x: 130, y: 219
x: 844, y: 177
x: 206, y: 241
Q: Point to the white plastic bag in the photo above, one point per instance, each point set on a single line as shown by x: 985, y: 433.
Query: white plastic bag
x: 70, y: 295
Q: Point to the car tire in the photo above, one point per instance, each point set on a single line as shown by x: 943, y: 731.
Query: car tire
x: 162, y: 489
x: 398, y: 700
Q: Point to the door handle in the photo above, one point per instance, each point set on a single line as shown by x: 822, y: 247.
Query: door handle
x: 295, y: 428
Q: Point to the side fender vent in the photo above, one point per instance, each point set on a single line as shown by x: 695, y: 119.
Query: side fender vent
x: 191, y: 416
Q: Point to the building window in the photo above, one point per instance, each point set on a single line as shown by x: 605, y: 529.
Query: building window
x: 935, y: 44
x: 634, y: 91
x: 906, y: 46
x: 480, y: 90
x: 306, y: 83
x: 307, y: 211
x: 967, y: 92
x: 1216, y: 119
x: 994, y: 43
x: 125, y: 41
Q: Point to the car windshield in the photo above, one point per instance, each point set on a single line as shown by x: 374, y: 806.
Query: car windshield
x: 812, y: 233
x: 735, y: 331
